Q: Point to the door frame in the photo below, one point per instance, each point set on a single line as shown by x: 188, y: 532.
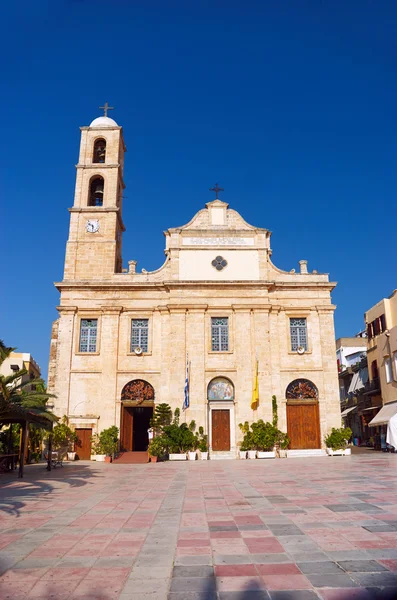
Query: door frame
x: 315, y: 403
x: 222, y: 405
x: 132, y: 404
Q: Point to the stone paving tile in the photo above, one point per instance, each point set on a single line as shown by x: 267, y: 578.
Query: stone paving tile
x: 319, y: 567
x: 178, y: 530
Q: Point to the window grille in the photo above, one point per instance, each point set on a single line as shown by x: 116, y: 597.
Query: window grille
x: 88, y: 335
x: 139, y: 334
x: 298, y: 331
x: 220, y: 334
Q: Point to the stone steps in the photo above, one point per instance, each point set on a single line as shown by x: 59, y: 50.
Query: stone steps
x: 305, y: 453
x: 132, y: 458
x: 218, y: 455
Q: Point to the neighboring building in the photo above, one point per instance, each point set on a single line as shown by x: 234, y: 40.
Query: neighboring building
x: 381, y: 322
x: 18, y: 361
x: 122, y: 339
x: 351, y: 355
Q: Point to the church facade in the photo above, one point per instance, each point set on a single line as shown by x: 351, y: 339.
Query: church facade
x: 217, y: 308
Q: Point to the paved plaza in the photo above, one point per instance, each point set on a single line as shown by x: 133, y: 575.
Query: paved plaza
x: 294, y: 529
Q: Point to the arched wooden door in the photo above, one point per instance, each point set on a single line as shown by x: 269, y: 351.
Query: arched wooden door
x: 303, y: 426
x: 303, y: 415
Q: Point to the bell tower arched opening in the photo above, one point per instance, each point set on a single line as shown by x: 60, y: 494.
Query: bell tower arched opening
x: 96, y: 191
x: 99, y: 151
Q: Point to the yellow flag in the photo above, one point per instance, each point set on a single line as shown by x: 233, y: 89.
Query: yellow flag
x: 255, y: 389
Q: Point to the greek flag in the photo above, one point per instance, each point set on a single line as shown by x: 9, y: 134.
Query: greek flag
x: 186, y: 390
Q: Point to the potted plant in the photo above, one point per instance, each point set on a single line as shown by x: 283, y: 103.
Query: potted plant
x: 96, y: 449
x: 109, y: 441
x: 282, y: 443
x: 156, y: 448
x: 247, y: 445
x: 264, y: 437
x: 242, y: 450
x: 192, y: 451
x: 202, y: 444
x: 63, y: 438
x: 179, y: 438
x: 337, y: 441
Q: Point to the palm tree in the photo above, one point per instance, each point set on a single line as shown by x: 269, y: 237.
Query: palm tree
x: 22, y: 400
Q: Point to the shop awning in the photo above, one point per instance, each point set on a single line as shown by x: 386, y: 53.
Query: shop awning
x: 347, y: 410
x: 358, y: 381
x: 370, y: 408
x: 384, y: 415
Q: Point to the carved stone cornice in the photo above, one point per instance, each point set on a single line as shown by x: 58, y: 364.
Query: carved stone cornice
x: 67, y: 310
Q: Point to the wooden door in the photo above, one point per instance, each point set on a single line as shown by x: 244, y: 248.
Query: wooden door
x: 83, y: 444
x: 220, y: 429
x: 303, y: 426
x: 126, y: 428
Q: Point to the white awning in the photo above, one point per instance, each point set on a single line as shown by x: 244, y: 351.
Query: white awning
x: 353, y: 383
x: 347, y: 410
x: 370, y: 408
x: 384, y: 415
x: 358, y: 381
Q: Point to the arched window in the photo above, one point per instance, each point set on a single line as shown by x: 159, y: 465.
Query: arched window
x: 220, y: 388
x: 138, y: 390
x: 301, y: 389
x: 96, y: 192
x: 99, y: 151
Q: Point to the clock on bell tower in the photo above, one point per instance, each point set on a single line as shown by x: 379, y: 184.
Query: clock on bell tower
x: 93, y: 250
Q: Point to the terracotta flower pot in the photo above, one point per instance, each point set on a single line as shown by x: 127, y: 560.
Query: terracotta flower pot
x: 153, y: 458
x: 108, y: 459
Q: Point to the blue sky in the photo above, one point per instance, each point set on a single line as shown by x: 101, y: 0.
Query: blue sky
x: 290, y: 105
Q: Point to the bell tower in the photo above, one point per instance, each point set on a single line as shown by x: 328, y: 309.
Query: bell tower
x: 93, y: 250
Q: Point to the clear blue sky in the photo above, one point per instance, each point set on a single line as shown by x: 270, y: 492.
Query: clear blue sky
x: 290, y: 105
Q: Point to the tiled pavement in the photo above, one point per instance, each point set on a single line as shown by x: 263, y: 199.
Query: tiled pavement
x: 295, y: 529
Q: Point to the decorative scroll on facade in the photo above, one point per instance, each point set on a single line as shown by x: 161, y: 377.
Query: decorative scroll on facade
x: 220, y: 389
x: 301, y: 389
x: 139, y: 391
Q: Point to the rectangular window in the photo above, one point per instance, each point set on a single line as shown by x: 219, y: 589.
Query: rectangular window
x: 382, y: 320
x: 88, y: 335
x: 388, y: 370
x: 298, y: 332
x: 140, y: 334
x: 220, y: 334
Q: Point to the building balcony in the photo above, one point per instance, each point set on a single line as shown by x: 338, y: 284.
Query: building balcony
x: 372, y: 387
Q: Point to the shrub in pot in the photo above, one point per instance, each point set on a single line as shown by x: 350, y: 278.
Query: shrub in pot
x: 282, y: 443
x: 247, y: 445
x: 202, y: 443
x: 63, y: 438
x: 179, y: 439
x: 157, y: 448
x: 109, y: 441
x: 97, y: 452
x: 264, y: 436
x: 337, y: 440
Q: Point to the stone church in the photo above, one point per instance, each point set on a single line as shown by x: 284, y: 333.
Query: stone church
x: 217, y: 306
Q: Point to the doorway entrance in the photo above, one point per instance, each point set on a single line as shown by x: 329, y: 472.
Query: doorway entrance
x: 303, y: 426
x: 134, y: 425
x: 303, y: 415
x: 220, y: 429
x: 83, y: 445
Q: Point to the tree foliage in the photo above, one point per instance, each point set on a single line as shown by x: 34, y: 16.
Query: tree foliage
x: 22, y: 400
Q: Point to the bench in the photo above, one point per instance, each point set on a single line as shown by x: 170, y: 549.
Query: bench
x: 8, y: 462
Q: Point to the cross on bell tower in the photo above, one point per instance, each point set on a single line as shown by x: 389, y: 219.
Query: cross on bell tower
x: 105, y: 108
